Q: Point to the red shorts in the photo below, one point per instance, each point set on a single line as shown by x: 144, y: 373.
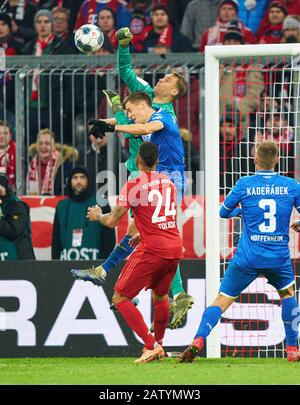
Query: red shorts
x: 145, y: 270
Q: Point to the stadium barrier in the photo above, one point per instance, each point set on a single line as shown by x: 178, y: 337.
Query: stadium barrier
x: 46, y: 313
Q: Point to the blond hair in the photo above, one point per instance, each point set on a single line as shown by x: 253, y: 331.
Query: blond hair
x: 61, y: 10
x: 46, y: 131
x: 266, y: 154
x: 181, y: 84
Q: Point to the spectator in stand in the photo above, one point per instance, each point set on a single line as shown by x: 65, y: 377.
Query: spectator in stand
x: 199, y: 16
x: 228, y: 11
x: 72, y: 5
x: 241, y: 86
x: 251, y: 12
x: 50, y: 166
x: 277, y: 129
x: 61, y: 19
x: 290, y: 30
x: 11, y: 47
x: 106, y: 20
x: 7, y: 153
x: 234, y: 35
x: 161, y: 32
x: 7, y: 40
x: 46, y: 43
x: 292, y: 7
x: 15, y: 229
x: 74, y: 237
x: 272, y: 32
x: 22, y: 14
x: 140, y: 15
x: 90, y: 9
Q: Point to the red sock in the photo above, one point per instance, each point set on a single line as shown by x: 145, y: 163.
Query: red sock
x: 136, y: 322
x: 291, y: 348
x: 161, y: 319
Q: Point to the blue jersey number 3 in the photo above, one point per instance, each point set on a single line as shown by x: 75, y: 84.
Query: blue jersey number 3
x: 269, y: 206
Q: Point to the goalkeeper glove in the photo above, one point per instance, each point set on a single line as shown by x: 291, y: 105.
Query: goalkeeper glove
x: 114, y: 100
x: 124, y: 36
x: 99, y: 128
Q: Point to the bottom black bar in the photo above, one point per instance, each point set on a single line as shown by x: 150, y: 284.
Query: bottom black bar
x: 132, y: 393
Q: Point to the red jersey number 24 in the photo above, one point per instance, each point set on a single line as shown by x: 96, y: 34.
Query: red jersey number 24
x: 170, y: 209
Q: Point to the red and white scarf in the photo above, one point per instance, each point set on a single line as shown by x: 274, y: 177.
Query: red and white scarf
x: 216, y: 33
x: 40, y: 46
x: 8, y: 162
x: 165, y: 37
x: 45, y: 185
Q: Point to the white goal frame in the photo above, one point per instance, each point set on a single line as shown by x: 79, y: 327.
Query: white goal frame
x: 212, y: 56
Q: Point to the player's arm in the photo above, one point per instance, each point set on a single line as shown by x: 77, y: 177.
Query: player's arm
x: 110, y: 121
x: 127, y: 74
x: 229, y: 207
x: 110, y: 220
x: 141, y: 129
x: 100, y: 127
x: 226, y: 213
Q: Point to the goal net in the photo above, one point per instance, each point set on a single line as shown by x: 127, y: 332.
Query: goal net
x: 255, y: 93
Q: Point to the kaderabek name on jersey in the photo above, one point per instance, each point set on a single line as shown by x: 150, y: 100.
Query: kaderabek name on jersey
x: 267, y: 190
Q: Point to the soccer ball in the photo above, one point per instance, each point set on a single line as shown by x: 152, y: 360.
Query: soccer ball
x: 89, y: 38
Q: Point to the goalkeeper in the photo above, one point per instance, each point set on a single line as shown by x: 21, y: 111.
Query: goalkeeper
x: 168, y: 89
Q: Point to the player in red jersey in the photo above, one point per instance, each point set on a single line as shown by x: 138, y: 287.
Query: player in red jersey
x: 152, y: 198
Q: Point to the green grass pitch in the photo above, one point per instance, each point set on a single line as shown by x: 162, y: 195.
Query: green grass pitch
x: 123, y: 371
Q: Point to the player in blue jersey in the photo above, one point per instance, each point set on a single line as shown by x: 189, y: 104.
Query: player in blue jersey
x: 267, y: 200
x: 159, y: 127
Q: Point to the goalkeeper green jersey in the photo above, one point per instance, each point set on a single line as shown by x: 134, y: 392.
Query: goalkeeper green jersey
x: 135, y: 83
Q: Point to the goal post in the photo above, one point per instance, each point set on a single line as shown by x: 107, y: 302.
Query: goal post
x: 213, y: 56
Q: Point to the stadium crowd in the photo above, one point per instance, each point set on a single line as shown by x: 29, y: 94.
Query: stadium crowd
x: 250, y: 105
x: 159, y: 26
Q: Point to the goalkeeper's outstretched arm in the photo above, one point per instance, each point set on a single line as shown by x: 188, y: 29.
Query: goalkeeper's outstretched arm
x: 126, y: 71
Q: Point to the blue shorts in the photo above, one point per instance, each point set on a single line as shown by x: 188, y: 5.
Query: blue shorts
x: 237, y: 278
